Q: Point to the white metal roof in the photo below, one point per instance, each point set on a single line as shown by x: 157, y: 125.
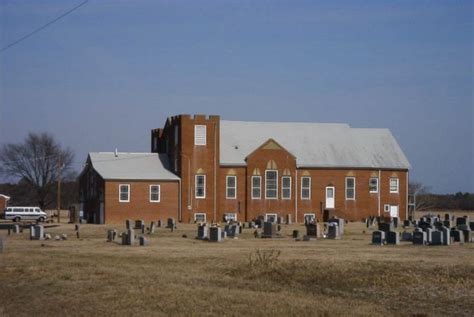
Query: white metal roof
x: 133, y: 166
x: 313, y: 144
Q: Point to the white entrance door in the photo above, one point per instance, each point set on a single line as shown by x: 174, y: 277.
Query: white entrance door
x: 330, y: 197
x: 393, y: 211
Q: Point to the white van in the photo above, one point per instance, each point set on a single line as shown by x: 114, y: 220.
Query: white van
x: 24, y: 213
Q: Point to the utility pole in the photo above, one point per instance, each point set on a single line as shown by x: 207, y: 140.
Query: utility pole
x: 58, y: 201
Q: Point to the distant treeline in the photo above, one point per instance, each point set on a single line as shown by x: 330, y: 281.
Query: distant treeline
x: 458, y: 201
x: 22, y: 194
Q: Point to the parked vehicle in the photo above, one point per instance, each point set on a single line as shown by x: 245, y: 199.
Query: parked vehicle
x: 24, y: 213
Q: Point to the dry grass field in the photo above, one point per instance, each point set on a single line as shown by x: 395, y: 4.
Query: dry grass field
x: 239, y: 277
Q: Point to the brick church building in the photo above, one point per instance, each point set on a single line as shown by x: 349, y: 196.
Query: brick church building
x: 202, y: 168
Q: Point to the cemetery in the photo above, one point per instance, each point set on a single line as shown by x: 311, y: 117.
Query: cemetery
x: 162, y: 267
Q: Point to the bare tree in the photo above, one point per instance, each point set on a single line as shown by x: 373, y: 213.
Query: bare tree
x: 420, y: 196
x: 37, y: 162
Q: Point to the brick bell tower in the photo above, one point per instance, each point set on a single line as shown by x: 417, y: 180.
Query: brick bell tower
x: 192, y: 146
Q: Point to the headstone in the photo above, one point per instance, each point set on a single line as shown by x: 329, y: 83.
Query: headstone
x: 447, y: 223
x: 471, y: 225
x: 47, y: 236
x: 446, y: 217
x: 143, y: 241
x: 111, y: 235
x: 407, y: 236
x: 313, y: 230
x: 467, y: 235
x: 424, y: 225
x: 124, y: 238
x: 215, y: 234
x: 436, y: 238
x: 385, y: 226
x: 224, y: 235
x: 128, y: 224
x: 296, y: 234
x: 393, y: 237
x: 395, y: 222
x: 152, y: 227
x: 32, y: 232
x: 446, y: 235
x: 269, y: 229
x: 233, y: 230
x: 130, y: 237
x: 57, y: 237
x: 39, y: 232
x: 378, y: 237
x: 2, y: 245
x: 419, y: 237
x: 16, y: 228
x: 171, y: 223
x: 77, y: 227
x: 462, y: 221
x: 333, y: 231
x: 340, y: 224
x: 159, y: 223
x: 429, y: 233
x: 202, y: 232
x: 139, y: 224
x: 64, y: 236
x: 457, y: 235
x: 406, y: 223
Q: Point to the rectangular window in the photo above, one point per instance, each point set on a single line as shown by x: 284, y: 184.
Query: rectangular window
x: 309, y: 218
x: 386, y: 208
x: 306, y: 188
x: 124, y: 193
x: 271, y: 218
x: 394, y: 185
x: 350, y: 188
x: 200, y: 186
x: 199, y: 135
x: 231, y: 187
x: 286, y: 187
x: 256, y: 187
x: 230, y: 216
x: 373, y: 185
x: 154, y: 193
x: 271, y: 184
x: 200, y: 217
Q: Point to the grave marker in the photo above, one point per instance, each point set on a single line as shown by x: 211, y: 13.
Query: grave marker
x: 215, y: 234
x: 393, y: 238
x: 419, y: 237
x: 139, y: 224
x: 378, y: 237
x: 143, y: 241
x: 269, y: 229
x: 436, y: 238
x: 333, y: 231
x: 130, y: 237
x: 202, y: 232
x: 128, y: 224
x: 39, y: 232
x: 446, y: 235
x: 407, y: 236
x: 152, y: 227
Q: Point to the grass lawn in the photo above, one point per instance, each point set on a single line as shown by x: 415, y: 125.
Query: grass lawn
x: 244, y: 276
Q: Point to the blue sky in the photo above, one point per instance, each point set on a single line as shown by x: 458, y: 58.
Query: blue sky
x: 103, y: 76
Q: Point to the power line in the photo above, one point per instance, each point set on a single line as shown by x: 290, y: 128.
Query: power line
x: 44, y: 26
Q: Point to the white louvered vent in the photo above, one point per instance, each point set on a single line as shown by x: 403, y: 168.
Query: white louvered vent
x: 199, y: 135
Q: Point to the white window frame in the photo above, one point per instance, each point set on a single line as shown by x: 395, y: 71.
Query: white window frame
x: 386, y: 208
x: 196, y: 186
x: 377, y: 185
x: 283, y: 188
x: 259, y: 187
x: 230, y: 213
x: 200, y: 214
x: 309, y: 214
x: 308, y: 188
x: 120, y: 193
x: 354, y: 179
x: 200, y: 141
x: 276, y: 180
x: 159, y: 193
x: 227, y: 187
x: 390, y: 185
x: 271, y: 214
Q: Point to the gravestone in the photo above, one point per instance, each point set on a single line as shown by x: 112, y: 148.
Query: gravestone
x: 424, y: 225
x: 202, y: 232
x: 419, y: 237
x: 139, y: 224
x: 395, y: 222
x: 457, y: 235
x: 393, y: 238
x: 269, y: 229
x: 64, y: 236
x: 447, y: 217
x: 2, y: 245
x: 152, y: 227
x: 47, y: 236
x: 39, y: 232
x: 429, y: 233
x: 224, y: 234
x: 111, y: 235
x: 128, y: 224
x: 143, y: 241
x: 130, y: 237
x: 436, y: 238
x: 159, y: 223
x: 471, y: 225
x: 385, y: 226
x: 171, y: 223
x: 296, y: 234
x: 32, y: 232
x: 124, y: 238
x: 467, y: 235
x: 446, y: 235
x: 333, y: 231
x: 340, y: 224
x: 378, y: 237
x: 407, y: 236
x: 313, y: 230
x: 215, y: 234
x: 16, y: 228
x: 406, y: 223
x: 233, y: 230
x: 447, y: 223
x: 462, y: 221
